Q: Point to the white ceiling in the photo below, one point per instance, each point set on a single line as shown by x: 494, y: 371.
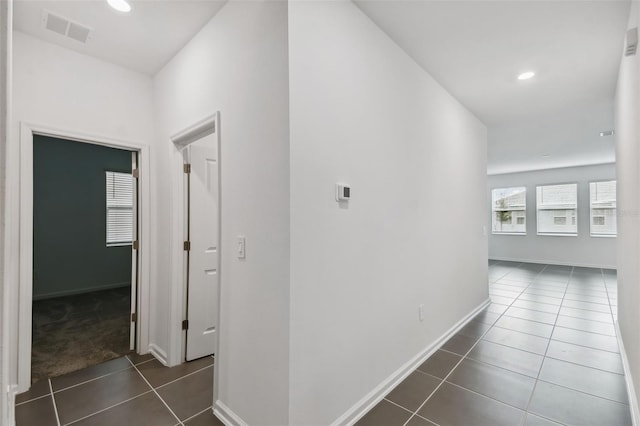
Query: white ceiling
x: 475, y: 49
x: 143, y: 40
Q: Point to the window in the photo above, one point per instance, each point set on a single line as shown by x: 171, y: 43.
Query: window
x: 602, y: 197
x: 509, y: 207
x: 557, y: 208
x: 119, y: 208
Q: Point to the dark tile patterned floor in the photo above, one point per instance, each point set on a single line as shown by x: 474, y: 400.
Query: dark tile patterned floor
x: 73, y: 332
x: 543, y: 353
x: 133, y: 390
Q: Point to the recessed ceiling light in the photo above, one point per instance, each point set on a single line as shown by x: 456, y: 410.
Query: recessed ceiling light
x: 526, y: 75
x: 608, y: 133
x: 120, y: 5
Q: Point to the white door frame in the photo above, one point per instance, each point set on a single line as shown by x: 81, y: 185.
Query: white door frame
x: 22, y: 328
x: 181, y: 140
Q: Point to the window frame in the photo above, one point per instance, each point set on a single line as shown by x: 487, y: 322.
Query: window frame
x: 591, y: 209
x: 575, y: 217
x: 524, y: 210
x: 122, y: 208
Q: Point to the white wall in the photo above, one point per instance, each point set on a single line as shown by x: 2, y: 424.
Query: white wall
x: 364, y: 113
x: 236, y: 65
x: 581, y: 250
x: 59, y: 87
x: 6, y: 14
x: 62, y: 89
x: 628, y: 244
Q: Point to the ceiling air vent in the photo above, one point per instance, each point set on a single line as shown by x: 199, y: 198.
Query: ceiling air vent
x: 632, y: 42
x: 65, y: 27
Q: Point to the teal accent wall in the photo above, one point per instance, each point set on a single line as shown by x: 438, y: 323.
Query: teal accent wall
x: 70, y: 254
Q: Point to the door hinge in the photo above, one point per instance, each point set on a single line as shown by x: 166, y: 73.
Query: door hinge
x: 187, y: 245
x: 187, y: 168
x: 135, y: 173
x: 185, y: 324
x: 136, y: 245
x: 134, y: 317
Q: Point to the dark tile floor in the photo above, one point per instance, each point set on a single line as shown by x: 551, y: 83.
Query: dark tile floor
x: 73, y: 332
x: 543, y: 353
x: 132, y: 390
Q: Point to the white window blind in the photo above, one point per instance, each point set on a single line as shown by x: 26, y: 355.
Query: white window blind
x: 509, y: 207
x: 557, y: 209
x: 119, y: 208
x: 603, y: 208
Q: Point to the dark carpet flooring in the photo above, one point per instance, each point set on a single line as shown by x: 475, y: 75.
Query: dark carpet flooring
x: 74, y: 332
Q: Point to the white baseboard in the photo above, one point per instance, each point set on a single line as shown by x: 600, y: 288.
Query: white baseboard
x: 80, y: 291
x: 551, y: 262
x: 158, y: 353
x: 379, y: 392
x: 226, y: 415
x: 10, y: 415
x: 631, y: 390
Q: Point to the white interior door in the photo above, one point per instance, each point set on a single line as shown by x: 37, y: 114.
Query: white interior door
x: 203, y: 232
x: 134, y: 253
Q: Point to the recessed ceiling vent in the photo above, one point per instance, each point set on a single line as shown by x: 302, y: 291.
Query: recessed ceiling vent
x: 65, y: 27
x: 632, y: 42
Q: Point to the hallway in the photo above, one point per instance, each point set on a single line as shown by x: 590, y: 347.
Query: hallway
x: 543, y: 353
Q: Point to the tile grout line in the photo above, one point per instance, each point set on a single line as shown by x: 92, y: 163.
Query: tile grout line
x: 399, y: 406
x: 182, y: 377
x: 415, y: 413
x: 485, y: 396
x: 588, y: 347
x: 203, y: 411
x: 524, y: 332
x: 461, y: 359
x: 426, y: 419
x: 107, y: 408
x: 507, y: 346
x: 583, y: 392
x: 53, y: 400
x: 587, y: 319
x: 52, y: 392
x: 526, y: 409
x: 589, y: 310
x: 104, y: 375
x: 544, y: 357
x: 535, y: 385
x: 581, y: 365
x: 530, y: 283
x: 572, y: 343
x: 32, y: 399
x: 157, y: 394
x: 607, y: 291
x: 595, y: 368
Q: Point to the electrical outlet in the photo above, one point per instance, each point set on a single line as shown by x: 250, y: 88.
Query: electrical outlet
x: 421, y: 312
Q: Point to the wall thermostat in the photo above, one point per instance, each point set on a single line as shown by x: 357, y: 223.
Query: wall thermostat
x: 343, y: 192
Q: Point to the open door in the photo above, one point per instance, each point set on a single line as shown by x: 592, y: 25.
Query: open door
x: 202, y: 243
x: 134, y: 252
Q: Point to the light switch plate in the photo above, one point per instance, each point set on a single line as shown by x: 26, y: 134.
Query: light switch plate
x: 240, y: 247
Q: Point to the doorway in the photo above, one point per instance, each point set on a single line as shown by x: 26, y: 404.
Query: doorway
x: 138, y: 333
x: 84, y: 258
x: 202, y: 230
x: 199, y: 146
